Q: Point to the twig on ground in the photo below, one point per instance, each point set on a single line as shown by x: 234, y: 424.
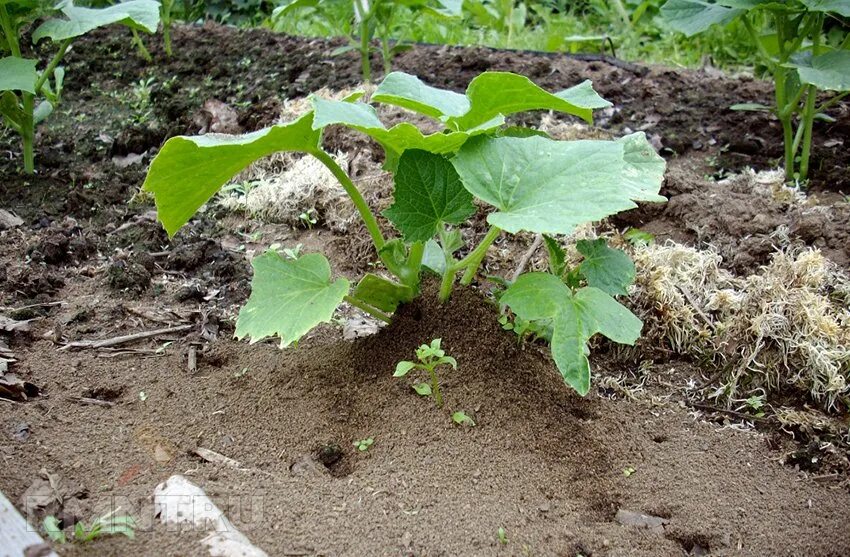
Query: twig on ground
x: 538, y: 239
x: 116, y: 341
x: 93, y: 402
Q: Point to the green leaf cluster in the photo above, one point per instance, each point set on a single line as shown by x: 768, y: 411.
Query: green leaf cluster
x: 795, y: 50
x: 430, y: 356
x: 533, y: 183
x: 28, y: 96
x: 106, y: 525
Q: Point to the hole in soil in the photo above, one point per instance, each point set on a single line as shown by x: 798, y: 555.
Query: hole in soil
x: 693, y: 544
x: 104, y: 393
x: 332, y: 457
x: 660, y: 438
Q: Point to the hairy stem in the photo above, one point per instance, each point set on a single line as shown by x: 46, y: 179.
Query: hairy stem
x: 362, y: 207
x: 362, y: 306
x: 435, y: 387
x: 414, y: 265
x: 143, y: 51
x: 472, y: 261
x: 166, y: 25
x: 51, y: 66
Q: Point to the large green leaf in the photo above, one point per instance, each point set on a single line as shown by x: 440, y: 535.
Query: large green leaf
x: 606, y: 268
x: 293, y: 5
x: 695, y: 16
x: 547, y: 186
x: 17, y: 74
x: 444, y: 8
x: 288, y: 298
x: 494, y: 94
x: 381, y: 293
x: 138, y: 14
x: 408, y: 91
x: 644, y: 171
x: 188, y: 171
x: 841, y: 7
x: 490, y: 97
x: 828, y: 72
x: 427, y: 194
x: 577, y: 317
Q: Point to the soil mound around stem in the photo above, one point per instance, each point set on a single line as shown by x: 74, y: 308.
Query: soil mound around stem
x: 561, y: 474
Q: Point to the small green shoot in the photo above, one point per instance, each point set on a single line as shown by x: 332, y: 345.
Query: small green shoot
x: 503, y: 536
x: 363, y: 444
x: 628, y: 471
x: 106, y: 525
x: 430, y: 358
x: 460, y: 418
x: 143, y: 396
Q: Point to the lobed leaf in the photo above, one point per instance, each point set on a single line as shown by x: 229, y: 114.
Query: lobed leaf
x: 188, y: 171
x: 18, y: 74
x: 550, y: 187
x: 427, y: 194
x: 577, y: 317
x: 289, y: 297
x: 605, y: 268
x: 644, y: 170
x: 137, y: 14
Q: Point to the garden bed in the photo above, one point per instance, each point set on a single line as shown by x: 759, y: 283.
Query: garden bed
x: 556, y: 471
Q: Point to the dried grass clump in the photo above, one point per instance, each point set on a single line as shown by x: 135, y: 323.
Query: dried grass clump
x: 786, y: 325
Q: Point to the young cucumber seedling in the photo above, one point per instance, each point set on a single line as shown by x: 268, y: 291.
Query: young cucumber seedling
x: 799, y: 55
x: 27, y: 95
x: 430, y: 358
x: 532, y: 183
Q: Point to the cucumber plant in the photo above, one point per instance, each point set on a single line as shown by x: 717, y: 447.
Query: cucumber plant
x: 799, y: 55
x: 430, y: 356
x: 372, y: 19
x: 29, y: 95
x: 533, y: 183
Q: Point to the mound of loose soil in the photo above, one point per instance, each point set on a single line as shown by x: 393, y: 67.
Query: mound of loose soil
x: 90, y: 262
x: 542, y: 463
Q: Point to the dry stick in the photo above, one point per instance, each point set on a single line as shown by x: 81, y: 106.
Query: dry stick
x: 538, y: 239
x: 46, y: 304
x: 93, y: 402
x: 116, y: 341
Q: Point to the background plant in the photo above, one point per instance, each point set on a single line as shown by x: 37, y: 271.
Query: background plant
x: 792, y: 44
x: 369, y: 19
x: 28, y: 95
x: 533, y: 183
x: 430, y: 356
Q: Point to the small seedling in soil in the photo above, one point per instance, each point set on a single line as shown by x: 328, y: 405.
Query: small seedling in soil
x: 106, y: 525
x: 503, y: 536
x: 628, y: 471
x: 460, y: 418
x: 430, y: 358
x: 363, y: 444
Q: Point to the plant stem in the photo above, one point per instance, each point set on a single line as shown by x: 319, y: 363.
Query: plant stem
x: 435, y: 387
x: 809, y: 110
x: 356, y: 197
x: 166, y: 25
x: 473, y: 260
x: 143, y: 51
x: 365, y: 63
x: 28, y: 133
x: 414, y: 265
x: 9, y: 31
x: 362, y: 306
x: 385, y: 55
x: 833, y: 101
x: 51, y: 66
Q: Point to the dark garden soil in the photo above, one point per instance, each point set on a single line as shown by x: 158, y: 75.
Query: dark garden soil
x: 558, y: 472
